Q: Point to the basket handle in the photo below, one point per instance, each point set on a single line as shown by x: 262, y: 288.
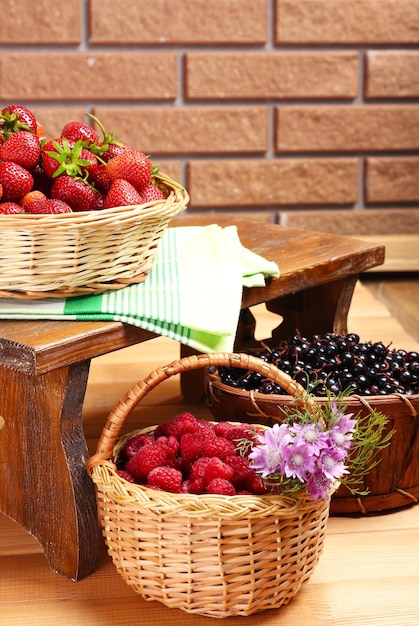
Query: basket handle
x: 125, y: 406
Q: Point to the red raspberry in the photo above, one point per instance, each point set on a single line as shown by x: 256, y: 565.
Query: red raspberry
x: 216, y: 468
x: 133, y: 445
x: 221, y: 486
x: 161, y: 430
x: 186, y: 486
x: 205, y: 430
x: 170, y: 443
x: 126, y: 476
x: 199, y: 467
x: 183, y: 423
x: 219, y: 447
x: 151, y: 455
x: 222, y: 429
x: 166, y: 478
x: 193, y: 486
x: 242, y: 431
x: 243, y: 473
x: 190, y: 450
x: 257, y: 486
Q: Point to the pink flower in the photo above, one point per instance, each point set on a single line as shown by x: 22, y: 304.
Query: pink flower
x: 341, y: 433
x: 310, y: 435
x: 299, y: 461
x: 268, y: 456
x: 319, y: 485
x: 331, y: 463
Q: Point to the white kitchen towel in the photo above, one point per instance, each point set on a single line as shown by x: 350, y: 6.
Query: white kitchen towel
x: 192, y: 293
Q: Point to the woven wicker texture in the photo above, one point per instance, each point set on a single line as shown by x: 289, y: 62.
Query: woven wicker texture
x: 392, y: 484
x: 206, y: 554
x: 83, y: 252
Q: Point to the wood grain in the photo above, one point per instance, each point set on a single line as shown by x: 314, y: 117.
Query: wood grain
x: 368, y: 574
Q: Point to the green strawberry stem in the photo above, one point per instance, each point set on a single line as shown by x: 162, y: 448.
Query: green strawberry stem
x: 107, y: 138
x: 68, y: 158
x: 155, y: 173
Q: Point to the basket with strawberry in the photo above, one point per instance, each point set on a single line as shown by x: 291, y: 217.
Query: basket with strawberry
x: 79, y: 213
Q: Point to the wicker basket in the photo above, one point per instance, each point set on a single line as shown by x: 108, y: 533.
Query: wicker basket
x: 81, y: 253
x: 212, y: 555
x: 392, y: 484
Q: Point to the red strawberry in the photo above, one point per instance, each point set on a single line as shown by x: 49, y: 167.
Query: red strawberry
x: 34, y: 202
x: 150, y: 193
x: 121, y: 193
x: 10, y: 208
x: 63, y: 156
x: 133, y: 166
x: 16, y: 117
x: 113, y: 149
x: 41, y: 180
x: 99, y: 178
x: 16, y: 181
x: 80, y: 196
x: 23, y: 148
x: 78, y: 131
x: 57, y: 206
x: 40, y: 132
x: 1, y: 191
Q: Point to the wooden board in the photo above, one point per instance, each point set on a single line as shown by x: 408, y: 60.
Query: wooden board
x: 396, y: 229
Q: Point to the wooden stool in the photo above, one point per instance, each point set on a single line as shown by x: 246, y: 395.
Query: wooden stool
x: 44, y: 368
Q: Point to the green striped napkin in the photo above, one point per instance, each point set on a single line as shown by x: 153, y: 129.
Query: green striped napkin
x: 192, y: 293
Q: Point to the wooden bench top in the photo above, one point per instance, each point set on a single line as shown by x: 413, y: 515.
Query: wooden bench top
x: 305, y: 259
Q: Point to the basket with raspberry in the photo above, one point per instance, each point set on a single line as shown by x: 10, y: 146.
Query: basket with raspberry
x: 206, y: 516
x: 79, y: 213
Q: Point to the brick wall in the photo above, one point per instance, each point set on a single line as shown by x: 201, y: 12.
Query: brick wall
x: 257, y: 106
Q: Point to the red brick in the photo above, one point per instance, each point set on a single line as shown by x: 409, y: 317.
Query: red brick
x: 40, y: 22
x: 171, y: 168
x: 353, y: 222
x: 347, y: 128
x: 179, y: 130
x: 261, y: 75
x: 96, y: 75
x: 176, y: 21
x: 392, y: 179
x: 347, y: 21
x: 392, y: 74
x: 261, y: 183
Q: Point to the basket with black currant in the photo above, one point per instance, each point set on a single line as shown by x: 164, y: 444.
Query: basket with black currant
x: 369, y: 375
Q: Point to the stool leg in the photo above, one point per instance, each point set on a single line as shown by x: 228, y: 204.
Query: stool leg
x: 45, y: 486
x: 323, y: 308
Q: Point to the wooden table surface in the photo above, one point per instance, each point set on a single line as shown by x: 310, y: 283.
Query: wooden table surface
x: 368, y: 574
x: 45, y: 366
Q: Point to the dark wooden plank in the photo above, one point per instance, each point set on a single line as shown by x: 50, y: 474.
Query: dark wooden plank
x: 39, y: 346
